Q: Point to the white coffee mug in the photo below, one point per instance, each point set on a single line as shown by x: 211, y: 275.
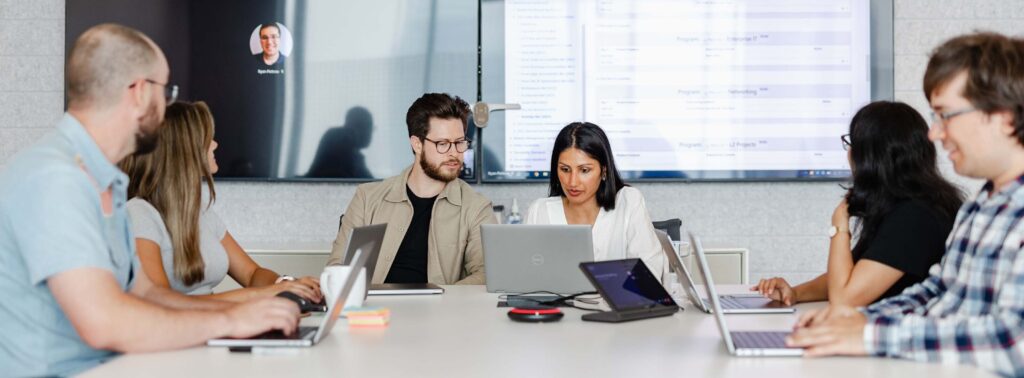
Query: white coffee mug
x: 332, y: 280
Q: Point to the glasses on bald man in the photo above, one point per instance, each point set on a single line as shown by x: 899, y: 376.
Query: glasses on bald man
x: 170, y: 90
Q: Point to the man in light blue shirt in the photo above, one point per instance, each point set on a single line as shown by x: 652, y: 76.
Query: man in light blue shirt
x: 70, y: 296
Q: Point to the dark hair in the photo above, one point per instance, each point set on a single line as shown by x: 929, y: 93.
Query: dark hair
x: 590, y: 139
x: 268, y: 25
x: 995, y: 73
x: 893, y: 161
x: 434, y: 105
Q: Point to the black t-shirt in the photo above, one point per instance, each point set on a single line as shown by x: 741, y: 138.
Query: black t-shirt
x: 910, y: 239
x: 410, y: 265
x: 270, y: 70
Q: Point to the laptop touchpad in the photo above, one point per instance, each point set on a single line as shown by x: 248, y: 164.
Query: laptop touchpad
x: 757, y: 301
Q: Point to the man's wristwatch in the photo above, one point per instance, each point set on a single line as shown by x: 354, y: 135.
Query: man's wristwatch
x: 833, y: 231
x: 284, y: 277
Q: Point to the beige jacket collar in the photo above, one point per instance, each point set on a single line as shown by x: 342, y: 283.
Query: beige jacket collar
x: 452, y: 191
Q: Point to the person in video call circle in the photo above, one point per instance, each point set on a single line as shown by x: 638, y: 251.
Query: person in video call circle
x: 970, y: 309
x: 181, y: 242
x: 585, y: 188
x: 270, y: 42
x: 904, y: 209
x: 73, y: 297
x: 433, y: 218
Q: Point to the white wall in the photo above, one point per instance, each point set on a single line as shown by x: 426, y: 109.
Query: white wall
x: 783, y: 224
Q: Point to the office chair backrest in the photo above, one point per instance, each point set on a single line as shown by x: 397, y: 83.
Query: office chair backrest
x: 670, y: 227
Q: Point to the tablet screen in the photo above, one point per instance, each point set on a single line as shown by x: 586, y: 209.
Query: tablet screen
x: 627, y: 284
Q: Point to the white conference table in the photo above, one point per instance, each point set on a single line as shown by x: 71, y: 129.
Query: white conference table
x: 463, y: 334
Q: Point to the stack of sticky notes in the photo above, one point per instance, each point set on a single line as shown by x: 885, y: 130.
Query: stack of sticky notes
x: 367, y: 317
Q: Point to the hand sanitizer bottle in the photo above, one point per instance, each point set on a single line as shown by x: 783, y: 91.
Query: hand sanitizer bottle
x: 514, y: 217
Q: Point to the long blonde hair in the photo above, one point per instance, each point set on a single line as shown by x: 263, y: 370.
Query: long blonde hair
x: 171, y: 178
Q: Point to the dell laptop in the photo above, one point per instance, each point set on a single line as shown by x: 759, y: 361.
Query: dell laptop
x: 731, y: 303
x: 377, y: 236
x: 531, y: 258
x: 304, y: 336
x: 743, y: 343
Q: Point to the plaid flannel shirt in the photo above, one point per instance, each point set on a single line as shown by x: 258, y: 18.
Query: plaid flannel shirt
x: 970, y: 310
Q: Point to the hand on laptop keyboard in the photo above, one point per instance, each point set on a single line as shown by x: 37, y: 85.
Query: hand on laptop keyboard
x: 777, y: 289
x: 255, y: 317
x: 305, y: 305
x: 305, y: 287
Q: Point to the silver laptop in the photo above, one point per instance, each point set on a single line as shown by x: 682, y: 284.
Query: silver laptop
x: 732, y: 303
x: 376, y: 234
x: 742, y: 343
x: 530, y: 258
x: 305, y: 336
x: 424, y: 288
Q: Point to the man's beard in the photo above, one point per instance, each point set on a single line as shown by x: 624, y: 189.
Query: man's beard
x: 147, y: 137
x: 435, y: 172
x: 145, y: 142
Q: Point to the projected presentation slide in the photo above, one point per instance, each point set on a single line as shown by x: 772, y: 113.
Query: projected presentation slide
x: 688, y: 86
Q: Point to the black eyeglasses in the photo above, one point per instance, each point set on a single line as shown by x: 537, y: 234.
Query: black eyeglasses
x: 846, y: 141
x: 443, y: 146
x: 170, y: 90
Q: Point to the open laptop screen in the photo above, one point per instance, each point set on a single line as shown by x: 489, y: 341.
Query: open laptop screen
x: 627, y: 284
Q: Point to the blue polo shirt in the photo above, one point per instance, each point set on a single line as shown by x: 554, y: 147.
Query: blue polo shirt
x: 54, y: 218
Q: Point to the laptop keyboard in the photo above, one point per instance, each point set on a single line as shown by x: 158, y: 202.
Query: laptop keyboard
x: 302, y: 333
x: 760, y: 340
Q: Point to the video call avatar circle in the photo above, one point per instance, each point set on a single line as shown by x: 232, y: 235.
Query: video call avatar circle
x: 270, y: 44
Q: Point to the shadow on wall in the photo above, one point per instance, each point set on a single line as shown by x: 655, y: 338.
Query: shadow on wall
x: 340, y: 152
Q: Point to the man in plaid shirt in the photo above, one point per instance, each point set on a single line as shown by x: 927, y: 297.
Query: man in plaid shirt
x: 971, y: 308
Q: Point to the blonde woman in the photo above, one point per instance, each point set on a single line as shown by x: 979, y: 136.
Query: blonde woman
x: 181, y: 242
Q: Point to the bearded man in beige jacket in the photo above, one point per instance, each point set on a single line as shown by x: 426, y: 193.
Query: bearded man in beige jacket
x: 433, y: 217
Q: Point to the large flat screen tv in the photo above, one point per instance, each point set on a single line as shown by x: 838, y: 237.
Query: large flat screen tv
x: 685, y: 89
x: 333, y: 106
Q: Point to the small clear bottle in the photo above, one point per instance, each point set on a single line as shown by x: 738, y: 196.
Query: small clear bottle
x: 514, y: 217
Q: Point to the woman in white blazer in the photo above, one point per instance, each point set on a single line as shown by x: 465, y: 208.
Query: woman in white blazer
x: 586, y: 188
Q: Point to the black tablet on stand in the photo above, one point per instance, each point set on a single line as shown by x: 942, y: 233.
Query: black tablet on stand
x: 630, y: 289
